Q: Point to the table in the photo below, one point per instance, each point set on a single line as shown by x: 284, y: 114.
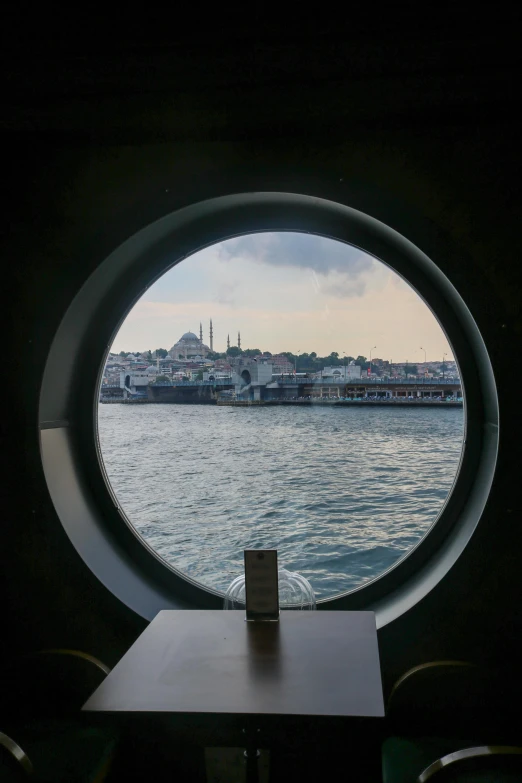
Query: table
x: 304, y: 671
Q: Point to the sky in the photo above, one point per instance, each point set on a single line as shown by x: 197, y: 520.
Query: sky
x: 287, y: 291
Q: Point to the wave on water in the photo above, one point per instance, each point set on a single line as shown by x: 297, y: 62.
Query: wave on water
x: 341, y: 493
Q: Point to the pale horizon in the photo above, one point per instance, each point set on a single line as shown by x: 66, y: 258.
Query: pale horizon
x: 287, y: 292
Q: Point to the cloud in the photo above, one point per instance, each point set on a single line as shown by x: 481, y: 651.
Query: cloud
x: 227, y: 293
x: 286, y: 292
x: 347, y: 287
x: 396, y: 320
x: 321, y: 255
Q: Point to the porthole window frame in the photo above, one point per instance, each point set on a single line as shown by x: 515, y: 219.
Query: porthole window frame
x: 83, y: 499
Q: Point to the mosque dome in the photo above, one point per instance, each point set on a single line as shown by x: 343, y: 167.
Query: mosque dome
x: 189, y: 346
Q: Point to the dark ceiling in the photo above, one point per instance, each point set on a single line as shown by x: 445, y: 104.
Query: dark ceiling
x: 235, y: 76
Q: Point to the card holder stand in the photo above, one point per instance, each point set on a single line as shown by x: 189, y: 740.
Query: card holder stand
x: 261, y: 585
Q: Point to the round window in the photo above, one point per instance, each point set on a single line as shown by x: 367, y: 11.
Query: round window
x: 281, y: 390
x: 269, y: 370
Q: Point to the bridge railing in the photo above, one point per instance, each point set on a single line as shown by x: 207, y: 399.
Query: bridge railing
x: 380, y: 381
x: 220, y: 382
x: 373, y: 382
x: 324, y: 382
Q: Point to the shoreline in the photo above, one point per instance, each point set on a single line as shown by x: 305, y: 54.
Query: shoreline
x: 304, y: 403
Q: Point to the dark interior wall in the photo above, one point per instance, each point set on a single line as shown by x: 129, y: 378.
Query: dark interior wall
x: 438, y: 162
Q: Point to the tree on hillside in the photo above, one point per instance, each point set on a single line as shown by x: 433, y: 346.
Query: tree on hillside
x: 162, y: 379
x: 122, y: 354
x: 161, y: 352
x: 252, y: 352
x: 413, y: 370
x: 332, y: 359
x: 233, y: 351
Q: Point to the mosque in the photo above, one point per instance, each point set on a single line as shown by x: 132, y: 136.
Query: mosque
x: 190, y: 346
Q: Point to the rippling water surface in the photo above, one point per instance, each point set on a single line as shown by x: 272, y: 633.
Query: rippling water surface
x: 342, y: 493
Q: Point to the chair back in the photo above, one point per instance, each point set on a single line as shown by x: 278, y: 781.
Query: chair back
x: 51, y: 684
x: 15, y: 766
x: 452, y: 699
x: 483, y: 764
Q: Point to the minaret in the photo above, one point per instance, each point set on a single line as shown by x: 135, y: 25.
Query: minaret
x: 239, y: 340
x: 200, y: 333
x: 228, y: 341
x: 211, y: 336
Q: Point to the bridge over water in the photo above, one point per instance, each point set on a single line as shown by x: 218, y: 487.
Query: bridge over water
x: 210, y: 391
x: 287, y: 389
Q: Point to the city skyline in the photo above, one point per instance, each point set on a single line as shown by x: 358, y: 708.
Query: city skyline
x: 287, y: 292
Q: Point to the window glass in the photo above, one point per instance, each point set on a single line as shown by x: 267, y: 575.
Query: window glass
x: 281, y: 390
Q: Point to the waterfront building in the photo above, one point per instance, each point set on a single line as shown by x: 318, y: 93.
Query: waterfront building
x: 217, y: 375
x: 342, y: 373
x: 250, y: 376
x: 281, y: 364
